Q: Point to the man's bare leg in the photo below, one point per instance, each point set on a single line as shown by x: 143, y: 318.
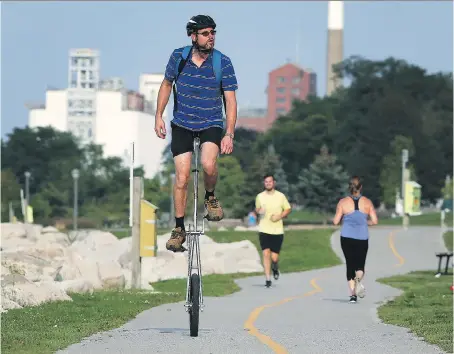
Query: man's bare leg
x: 180, y: 191
x: 274, y: 267
x: 267, y: 263
x: 209, y: 156
x: 180, y: 188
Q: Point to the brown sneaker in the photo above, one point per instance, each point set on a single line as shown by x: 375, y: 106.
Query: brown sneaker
x: 213, y: 209
x: 176, y: 240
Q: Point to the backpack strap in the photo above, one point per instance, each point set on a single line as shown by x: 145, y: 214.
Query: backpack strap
x: 217, y: 68
x: 182, y: 59
x: 179, y: 65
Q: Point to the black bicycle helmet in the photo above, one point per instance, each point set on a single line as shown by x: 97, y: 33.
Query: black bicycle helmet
x: 199, y: 22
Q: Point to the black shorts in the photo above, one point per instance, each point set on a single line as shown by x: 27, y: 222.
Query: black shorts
x: 183, y: 139
x: 273, y: 242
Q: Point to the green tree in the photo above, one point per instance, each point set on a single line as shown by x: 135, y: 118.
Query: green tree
x: 243, y: 149
x: 157, y: 193
x: 10, y: 190
x: 322, y: 184
x: 49, y: 155
x: 389, y: 98
x: 230, y: 182
x: 274, y: 167
x: 299, y: 137
x: 391, y: 172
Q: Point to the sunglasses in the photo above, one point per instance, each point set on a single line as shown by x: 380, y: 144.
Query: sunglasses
x: 207, y: 33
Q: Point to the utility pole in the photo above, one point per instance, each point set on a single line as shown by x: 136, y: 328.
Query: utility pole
x: 405, y: 219
x: 75, y: 176
x: 27, y: 194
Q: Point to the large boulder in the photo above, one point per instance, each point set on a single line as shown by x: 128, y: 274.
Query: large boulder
x: 26, y: 293
x: 216, y: 258
x: 40, y: 264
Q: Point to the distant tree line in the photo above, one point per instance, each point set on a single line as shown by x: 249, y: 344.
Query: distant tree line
x: 360, y: 129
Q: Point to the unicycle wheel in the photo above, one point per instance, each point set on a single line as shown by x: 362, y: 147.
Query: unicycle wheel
x: 195, y: 305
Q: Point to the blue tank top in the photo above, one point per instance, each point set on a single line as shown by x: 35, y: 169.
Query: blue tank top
x: 355, y: 223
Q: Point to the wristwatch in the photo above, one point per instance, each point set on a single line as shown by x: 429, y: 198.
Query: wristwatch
x: 230, y: 135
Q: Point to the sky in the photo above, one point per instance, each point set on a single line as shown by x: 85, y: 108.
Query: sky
x: 258, y: 36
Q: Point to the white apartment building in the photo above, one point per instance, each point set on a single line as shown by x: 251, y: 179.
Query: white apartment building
x: 105, y: 112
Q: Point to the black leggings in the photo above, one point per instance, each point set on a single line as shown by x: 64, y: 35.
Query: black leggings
x: 355, y: 252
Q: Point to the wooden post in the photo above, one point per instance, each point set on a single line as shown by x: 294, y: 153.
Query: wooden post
x: 135, y: 252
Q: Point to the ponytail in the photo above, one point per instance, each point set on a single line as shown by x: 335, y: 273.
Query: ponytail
x: 355, y: 184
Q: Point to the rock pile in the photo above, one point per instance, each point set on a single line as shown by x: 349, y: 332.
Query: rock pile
x: 41, y: 264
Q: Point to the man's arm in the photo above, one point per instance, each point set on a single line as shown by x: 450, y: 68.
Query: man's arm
x: 338, y: 217
x: 229, y: 86
x: 163, y: 97
x: 287, y: 208
x: 258, y: 206
x: 166, y: 85
x: 231, y: 111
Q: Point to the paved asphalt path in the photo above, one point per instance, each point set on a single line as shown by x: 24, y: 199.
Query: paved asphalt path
x: 305, y: 312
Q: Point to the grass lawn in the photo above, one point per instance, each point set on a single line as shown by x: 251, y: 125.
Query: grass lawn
x: 301, y: 250
x: 431, y: 219
x: 305, y: 215
x: 448, y: 237
x: 55, y: 325
x: 52, y: 326
x: 425, y: 307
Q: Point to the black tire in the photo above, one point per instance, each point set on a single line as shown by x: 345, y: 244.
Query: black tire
x: 194, y: 309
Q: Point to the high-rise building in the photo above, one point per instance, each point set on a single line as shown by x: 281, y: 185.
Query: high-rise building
x: 83, y: 83
x: 285, y: 84
x: 288, y: 83
x: 149, y: 85
x: 104, y: 112
x: 335, y: 52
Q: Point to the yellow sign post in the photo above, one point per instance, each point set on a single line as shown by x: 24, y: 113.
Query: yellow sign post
x: 412, y: 198
x: 148, y: 229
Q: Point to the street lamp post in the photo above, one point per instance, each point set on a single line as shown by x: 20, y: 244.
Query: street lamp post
x: 27, y: 194
x: 404, y: 165
x: 75, y: 176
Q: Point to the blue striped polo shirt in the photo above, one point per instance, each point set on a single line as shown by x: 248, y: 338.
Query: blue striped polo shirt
x: 199, y: 100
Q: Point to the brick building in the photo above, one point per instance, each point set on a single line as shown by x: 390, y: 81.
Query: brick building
x: 285, y: 84
x: 252, y: 118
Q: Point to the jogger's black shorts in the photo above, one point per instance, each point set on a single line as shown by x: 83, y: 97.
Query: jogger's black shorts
x: 273, y: 242
x: 183, y: 139
x: 355, y: 252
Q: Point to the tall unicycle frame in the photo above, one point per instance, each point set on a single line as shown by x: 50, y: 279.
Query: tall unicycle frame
x: 194, y: 290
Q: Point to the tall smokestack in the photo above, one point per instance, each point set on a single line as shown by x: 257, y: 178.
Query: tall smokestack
x: 335, y: 42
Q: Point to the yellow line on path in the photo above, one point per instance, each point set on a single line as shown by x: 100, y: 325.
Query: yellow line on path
x: 249, y: 324
x: 394, y: 251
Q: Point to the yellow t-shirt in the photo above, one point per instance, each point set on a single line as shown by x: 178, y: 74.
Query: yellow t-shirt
x: 274, y: 203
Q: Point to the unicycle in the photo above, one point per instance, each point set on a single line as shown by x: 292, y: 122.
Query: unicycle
x: 194, y: 294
